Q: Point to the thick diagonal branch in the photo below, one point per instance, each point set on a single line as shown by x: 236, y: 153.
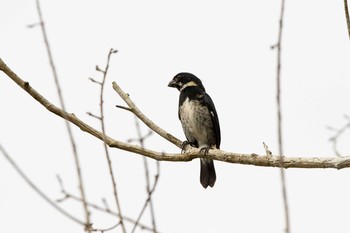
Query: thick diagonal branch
x: 134, y: 109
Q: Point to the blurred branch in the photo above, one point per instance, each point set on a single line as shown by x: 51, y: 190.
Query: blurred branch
x: 141, y: 140
x: 347, y: 17
x: 107, y: 229
x: 101, y: 118
x: 191, y: 153
x: 279, y: 117
x: 338, y: 133
x: 37, y: 190
x: 69, y: 130
x: 106, y: 209
x: 148, y: 200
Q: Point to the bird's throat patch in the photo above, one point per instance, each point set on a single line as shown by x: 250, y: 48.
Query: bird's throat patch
x: 189, y: 84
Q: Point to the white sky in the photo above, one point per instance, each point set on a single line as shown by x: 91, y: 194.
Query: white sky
x: 227, y: 45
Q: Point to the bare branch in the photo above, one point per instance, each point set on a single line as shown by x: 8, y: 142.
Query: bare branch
x: 279, y: 117
x: 124, y: 108
x: 93, y: 115
x: 347, y: 17
x: 106, y: 209
x: 69, y: 130
x: 144, y: 137
x: 37, y: 190
x: 110, y: 168
x: 145, y: 119
x: 338, y: 133
x: 148, y: 188
x: 148, y: 199
x: 191, y: 153
x: 108, y: 229
x: 94, y: 81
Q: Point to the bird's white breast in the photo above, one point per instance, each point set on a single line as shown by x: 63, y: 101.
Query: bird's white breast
x: 195, y: 120
x: 188, y: 111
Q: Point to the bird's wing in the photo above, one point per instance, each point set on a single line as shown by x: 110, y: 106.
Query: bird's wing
x: 214, y: 117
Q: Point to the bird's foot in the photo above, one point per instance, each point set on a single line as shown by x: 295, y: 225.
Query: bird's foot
x: 205, y: 150
x: 184, y: 145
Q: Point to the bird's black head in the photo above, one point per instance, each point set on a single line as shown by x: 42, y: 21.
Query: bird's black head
x: 183, y: 80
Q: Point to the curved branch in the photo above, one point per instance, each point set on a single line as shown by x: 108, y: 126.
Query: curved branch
x: 191, y: 153
x: 145, y: 119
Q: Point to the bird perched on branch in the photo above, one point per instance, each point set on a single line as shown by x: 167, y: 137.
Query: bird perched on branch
x: 199, y: 120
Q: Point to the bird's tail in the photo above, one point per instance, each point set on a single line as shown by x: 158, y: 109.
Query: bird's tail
x: 208, y: 175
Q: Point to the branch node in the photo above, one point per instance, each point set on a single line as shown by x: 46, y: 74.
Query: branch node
x: 100, y: 70
x: 113, y: 51
x: 274, y: 46
x: 93, y: 115
x: 33, y: 25
x: 88, y: 227
x: 95, y: 81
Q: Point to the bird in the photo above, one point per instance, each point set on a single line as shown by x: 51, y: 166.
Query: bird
x: 199, y: 121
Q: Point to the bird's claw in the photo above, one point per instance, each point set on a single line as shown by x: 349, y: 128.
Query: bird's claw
x: 184, y: 145
x: 205, y: 150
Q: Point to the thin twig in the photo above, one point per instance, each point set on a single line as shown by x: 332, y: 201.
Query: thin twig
x: 148, y: 198
x: 37, y: 190
x: 191, y: 153
x: 124, y: 108
x: 108, y: 229
x: 94, y: 81
x: 279, y: 118
x: 347, y: 17
x: 70, y: 133
x: 110, y: 168
x: 134, y: 109
x: 334, y: 139
x: 105, y: 209
x: 145, y: 163
x: 93, y: 115
x: 104, y: 201
x: 144, y: 137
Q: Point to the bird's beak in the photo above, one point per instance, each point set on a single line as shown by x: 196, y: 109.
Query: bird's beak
x: 172, y: 84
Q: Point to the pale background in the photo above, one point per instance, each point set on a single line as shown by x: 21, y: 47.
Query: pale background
x: 227, y: 45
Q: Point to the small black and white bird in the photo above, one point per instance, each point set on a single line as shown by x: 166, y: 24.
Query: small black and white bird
x: 199, y: 120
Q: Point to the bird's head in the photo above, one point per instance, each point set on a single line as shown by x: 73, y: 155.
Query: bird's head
x: 183, y: 80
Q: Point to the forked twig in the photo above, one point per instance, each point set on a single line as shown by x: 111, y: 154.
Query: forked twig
x: 338, y: 134
x: 37, y: 190
x: 101, y: 118
x: 148, y: 198
x: 105, y: 209
x: 145, y: 162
